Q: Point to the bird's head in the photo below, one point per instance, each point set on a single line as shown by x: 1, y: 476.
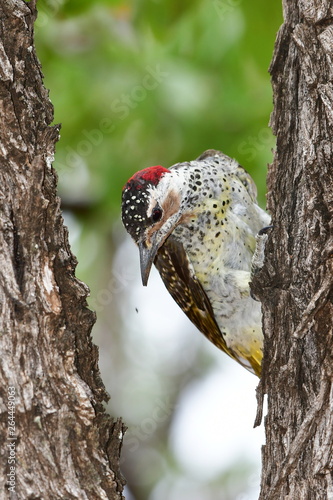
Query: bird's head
x: 151, y: 209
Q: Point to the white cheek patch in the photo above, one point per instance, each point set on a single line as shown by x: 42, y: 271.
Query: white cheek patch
x: 152, y: 204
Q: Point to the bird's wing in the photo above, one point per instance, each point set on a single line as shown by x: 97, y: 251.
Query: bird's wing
x: 182, y: 284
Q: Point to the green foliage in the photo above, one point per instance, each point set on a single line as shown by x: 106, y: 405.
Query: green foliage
x: 208, y: 86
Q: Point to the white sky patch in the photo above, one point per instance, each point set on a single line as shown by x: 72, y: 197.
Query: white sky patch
x: 213, y: 427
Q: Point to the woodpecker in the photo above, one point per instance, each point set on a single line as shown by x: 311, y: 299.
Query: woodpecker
x: 197, y: 222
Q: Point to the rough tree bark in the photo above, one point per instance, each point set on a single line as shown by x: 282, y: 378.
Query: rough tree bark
x: 56, y: 439
x: 295, y: 285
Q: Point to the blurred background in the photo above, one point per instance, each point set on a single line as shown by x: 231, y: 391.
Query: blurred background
x: 143, y: 83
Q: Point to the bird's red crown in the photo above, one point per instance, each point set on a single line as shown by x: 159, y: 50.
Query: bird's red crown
x: 149, y: 175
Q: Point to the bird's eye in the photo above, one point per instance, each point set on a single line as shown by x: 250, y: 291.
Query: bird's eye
x: 156, y: 214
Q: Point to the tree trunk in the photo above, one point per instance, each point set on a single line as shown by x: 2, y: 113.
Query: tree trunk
x: 56, y: 440
x: 295, y: 285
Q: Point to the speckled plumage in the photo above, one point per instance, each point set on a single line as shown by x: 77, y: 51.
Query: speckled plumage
x: 198, y: 221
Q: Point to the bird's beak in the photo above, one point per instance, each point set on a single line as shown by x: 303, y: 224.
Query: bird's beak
x: 147, y: 256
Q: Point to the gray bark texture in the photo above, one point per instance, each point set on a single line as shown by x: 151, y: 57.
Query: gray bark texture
x: 295, y: 285
x: 56, y: 439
